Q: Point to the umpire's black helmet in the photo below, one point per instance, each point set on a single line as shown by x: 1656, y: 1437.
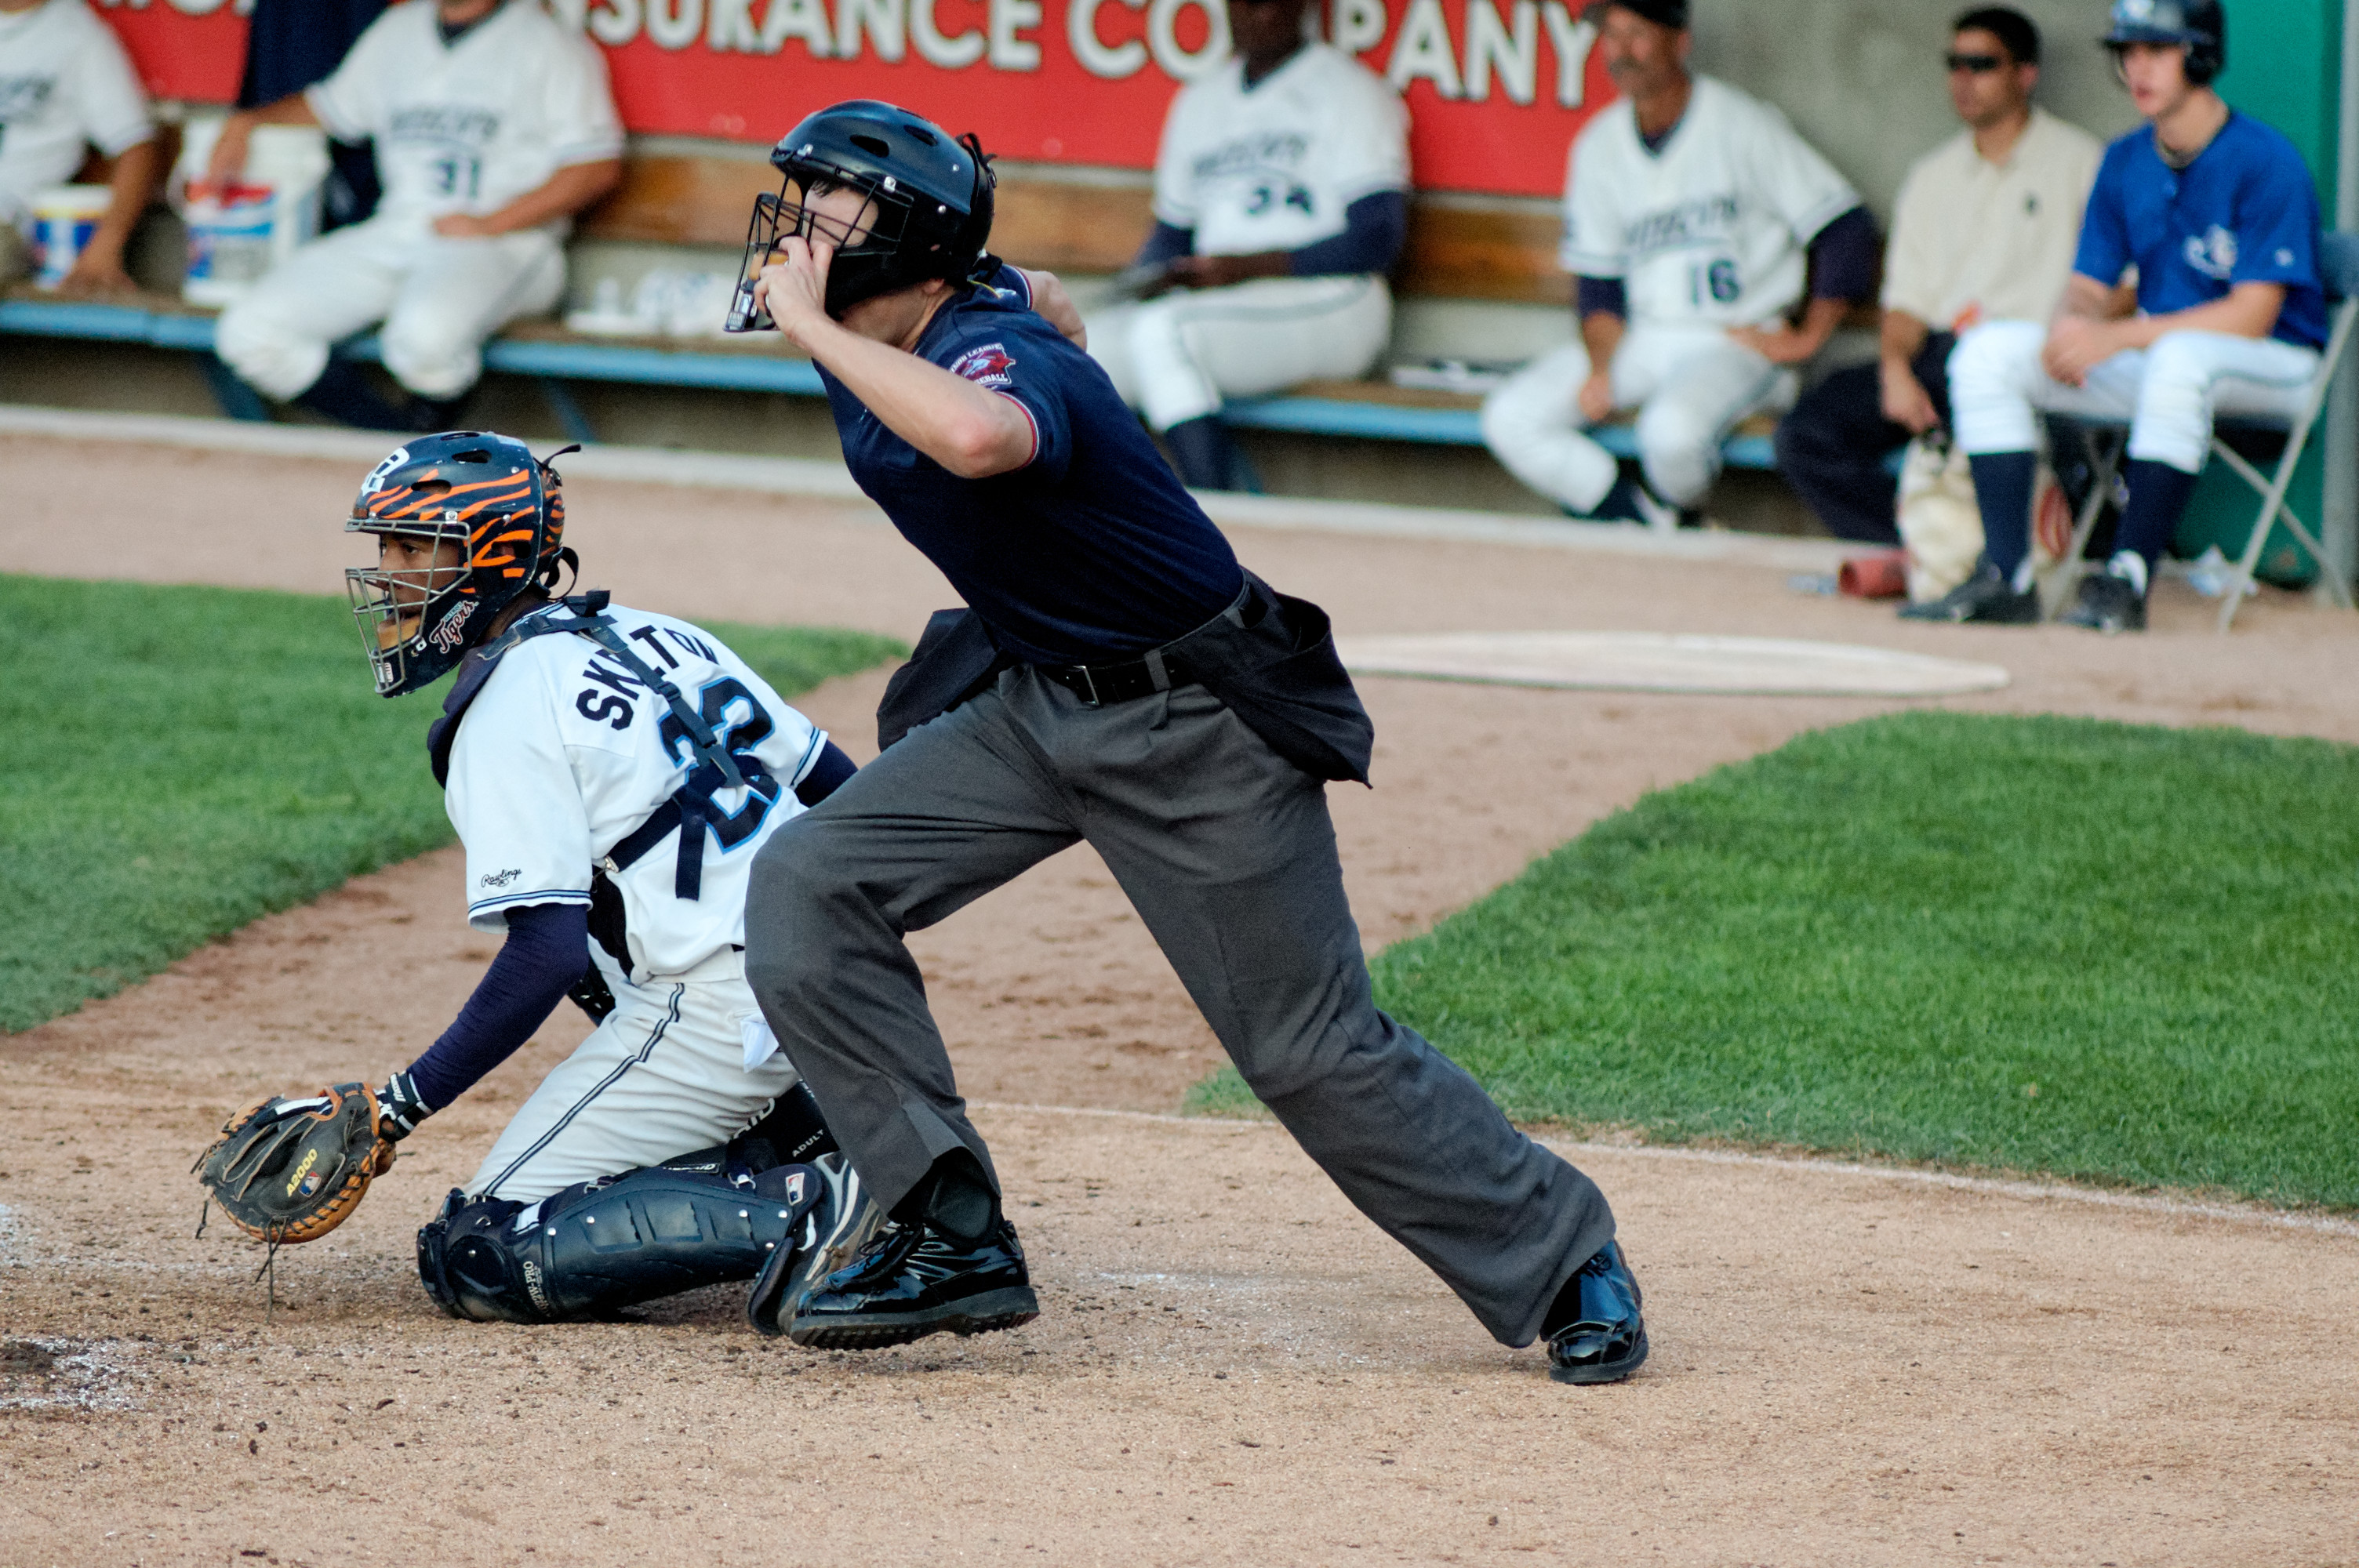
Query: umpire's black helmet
x: 2198, y: 24
x: 932, y: 192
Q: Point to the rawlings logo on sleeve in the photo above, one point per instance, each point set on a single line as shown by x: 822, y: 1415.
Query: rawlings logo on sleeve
x: 986, y: 367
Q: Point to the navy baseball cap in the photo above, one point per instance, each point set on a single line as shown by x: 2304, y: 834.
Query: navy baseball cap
x: 1666, y: 13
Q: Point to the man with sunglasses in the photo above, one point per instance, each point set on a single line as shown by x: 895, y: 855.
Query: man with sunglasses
x: 1984, y: 229
x: 1281, y: 199
x: 2218, y: 217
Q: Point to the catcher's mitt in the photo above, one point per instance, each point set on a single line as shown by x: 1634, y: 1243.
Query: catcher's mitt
x: 292, y: 1169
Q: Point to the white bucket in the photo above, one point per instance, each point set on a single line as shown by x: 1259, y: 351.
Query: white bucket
x: 64, y: 218
x: 239, y: 231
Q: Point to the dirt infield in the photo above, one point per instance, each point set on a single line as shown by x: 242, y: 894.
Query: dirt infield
x: 1850, y: 1366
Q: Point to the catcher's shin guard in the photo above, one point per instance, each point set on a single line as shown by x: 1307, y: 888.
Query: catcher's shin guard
x: 598, y: 1246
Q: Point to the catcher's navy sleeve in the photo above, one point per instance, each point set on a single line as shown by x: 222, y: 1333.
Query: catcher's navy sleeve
x: 547, y: 949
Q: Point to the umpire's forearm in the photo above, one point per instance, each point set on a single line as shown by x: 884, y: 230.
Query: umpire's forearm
x: 969, y: 429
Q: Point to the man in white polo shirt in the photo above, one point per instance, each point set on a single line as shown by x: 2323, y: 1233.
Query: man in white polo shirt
x: 1984, y: 231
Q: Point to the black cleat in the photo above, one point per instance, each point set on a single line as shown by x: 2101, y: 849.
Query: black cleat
x: 1985, y: 596
x: 1608, y: 1341
x: 840, y: 1222
x: 911, y: 1280
x: 2107, y: 604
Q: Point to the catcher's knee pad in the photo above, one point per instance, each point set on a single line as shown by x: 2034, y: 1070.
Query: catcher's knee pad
x: 597, y: 1246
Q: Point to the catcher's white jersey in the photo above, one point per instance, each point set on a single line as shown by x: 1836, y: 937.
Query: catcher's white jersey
x: 469, y: 126
x: 64, y: 81
x: 1714, y: 229
x: 564, y: 753
x: 1272, y: 168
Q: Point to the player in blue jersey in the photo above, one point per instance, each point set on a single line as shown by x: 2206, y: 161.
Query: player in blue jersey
x: 2217, y: 214
x: 1117, y: 679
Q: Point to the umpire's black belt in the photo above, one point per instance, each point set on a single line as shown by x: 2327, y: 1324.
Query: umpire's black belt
x: 1098, y: 685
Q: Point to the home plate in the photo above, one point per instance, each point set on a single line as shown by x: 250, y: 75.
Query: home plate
x: 1653, y: 661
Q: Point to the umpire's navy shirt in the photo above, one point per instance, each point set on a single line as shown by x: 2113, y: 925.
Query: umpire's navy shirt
x: 1092, y: 550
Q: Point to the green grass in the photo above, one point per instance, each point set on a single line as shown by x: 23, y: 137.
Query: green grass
x: 2113, y: 954
x: 176, y: 761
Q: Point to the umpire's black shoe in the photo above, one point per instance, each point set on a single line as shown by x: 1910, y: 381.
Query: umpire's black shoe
x: 1606, y: 1341
x: 2107, y: 604
x: 1985, y: 596
x: 911, y: 1280
x: 841, y: 1221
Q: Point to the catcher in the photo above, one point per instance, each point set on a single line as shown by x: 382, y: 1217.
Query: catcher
x: 611, y: 773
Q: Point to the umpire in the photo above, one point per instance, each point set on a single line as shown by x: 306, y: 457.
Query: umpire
x: 1118, y: 678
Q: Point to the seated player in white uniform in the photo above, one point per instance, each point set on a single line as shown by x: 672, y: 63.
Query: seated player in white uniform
x: 1695, y: 222
x: 1280, y: 202
x: 492, y: 126
x: 611, y: 773
x: 66, y: 85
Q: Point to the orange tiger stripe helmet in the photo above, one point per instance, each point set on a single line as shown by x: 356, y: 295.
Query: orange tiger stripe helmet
x: 466, y: 522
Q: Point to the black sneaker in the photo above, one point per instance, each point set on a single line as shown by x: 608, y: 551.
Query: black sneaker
x: 911, y: 1280
x: 2107, y: 604
x: 841, y: 1221
x: 1634, y: 501
x: 1985, y: 596
x: 1608, y: 1341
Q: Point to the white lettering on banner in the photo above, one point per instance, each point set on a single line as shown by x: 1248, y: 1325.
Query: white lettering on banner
x: 1108, y: 62
x: 616, y: 22
x: 885, y: 22
x: 196, y: 8
x: 1571, y: 41
x: 950, y: 54
x: 804, y: 19
x: 570, y: 14
x: 1163, y: 38
x: 1491, y: 45
x: 675, y: 24
x: 1358, y: 25
x: 1004, y: 20
x: 1421, y: 49
x: 730, y: 28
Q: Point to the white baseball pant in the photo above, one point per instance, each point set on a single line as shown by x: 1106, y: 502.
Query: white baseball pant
x: 664, y: 1074
x: 1178, y: 357
x: 2169, y: 393
x: 1691, y: 384
x: 438, y: 298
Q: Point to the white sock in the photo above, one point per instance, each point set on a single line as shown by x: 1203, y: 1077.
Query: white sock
x: 2130, y: 566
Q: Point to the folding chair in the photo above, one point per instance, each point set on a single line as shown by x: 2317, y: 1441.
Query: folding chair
x: 2338, y: 264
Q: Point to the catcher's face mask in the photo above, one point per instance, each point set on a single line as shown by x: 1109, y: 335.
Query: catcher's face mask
x: 416, y: 575
x: 863, y: 220
x: 463, y: 522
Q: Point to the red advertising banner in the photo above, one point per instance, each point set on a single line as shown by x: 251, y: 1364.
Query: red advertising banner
x: 1495, y: 88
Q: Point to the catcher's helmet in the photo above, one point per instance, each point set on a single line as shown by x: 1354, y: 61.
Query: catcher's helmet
x: 503, y: 511
x: 932, y: 197
x: 2198, y: 25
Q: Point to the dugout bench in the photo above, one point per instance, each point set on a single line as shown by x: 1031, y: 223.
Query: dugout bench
x: 1456, y: 250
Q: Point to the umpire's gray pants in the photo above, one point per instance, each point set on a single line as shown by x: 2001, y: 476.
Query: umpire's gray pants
x: 1226, y: 851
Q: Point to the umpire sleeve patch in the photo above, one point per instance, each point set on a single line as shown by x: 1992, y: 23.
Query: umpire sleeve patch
x: 988, y: 365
